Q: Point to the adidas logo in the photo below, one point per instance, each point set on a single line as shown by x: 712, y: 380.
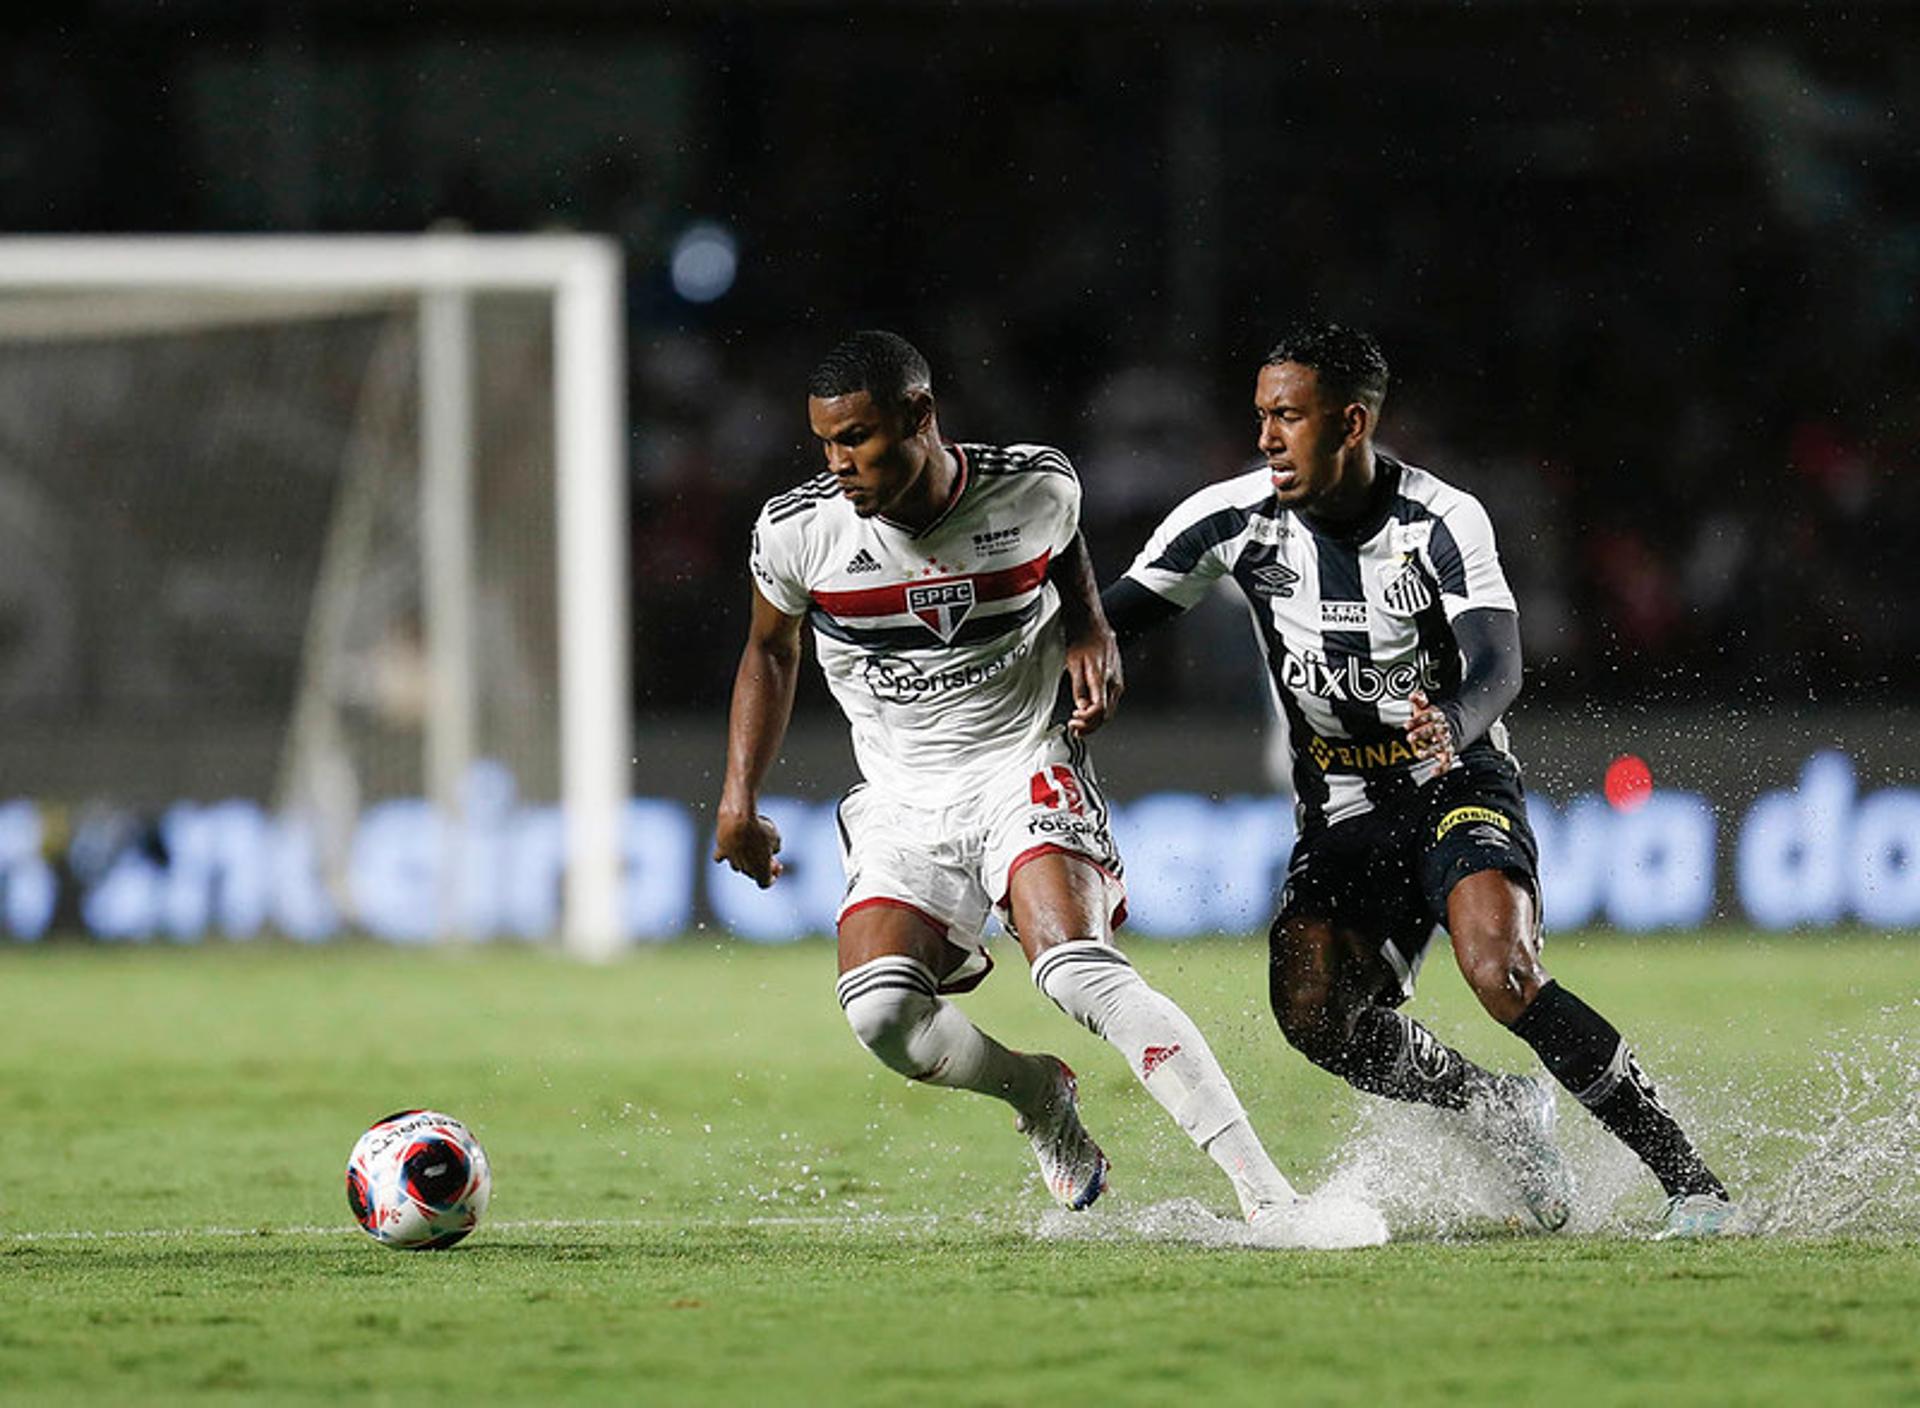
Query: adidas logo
x: 1156, y: 1056
x: 863, y: 561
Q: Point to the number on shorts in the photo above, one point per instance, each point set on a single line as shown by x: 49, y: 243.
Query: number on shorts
x: 1046, y: 794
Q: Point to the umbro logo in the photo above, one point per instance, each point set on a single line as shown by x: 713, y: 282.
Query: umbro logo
x: 863, y: 561
x: 1275, y: 579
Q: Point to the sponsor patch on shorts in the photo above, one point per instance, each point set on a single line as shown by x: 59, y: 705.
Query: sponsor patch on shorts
x: 1463, y: 814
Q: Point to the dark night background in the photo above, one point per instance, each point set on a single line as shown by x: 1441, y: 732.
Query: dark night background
x: 1646, y: 273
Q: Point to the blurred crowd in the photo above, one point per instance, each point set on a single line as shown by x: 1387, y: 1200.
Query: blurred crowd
x: 1646, y: 274
x: 1754, y: 550
x: 1658, y: 314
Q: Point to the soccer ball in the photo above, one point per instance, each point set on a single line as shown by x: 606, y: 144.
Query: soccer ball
x: 418, y: 1180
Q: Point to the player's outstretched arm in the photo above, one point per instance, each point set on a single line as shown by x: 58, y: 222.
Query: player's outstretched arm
x: 1489, y: 641
x: 1133, y: 610
x: 762, y: 705
x: 1093, y: 655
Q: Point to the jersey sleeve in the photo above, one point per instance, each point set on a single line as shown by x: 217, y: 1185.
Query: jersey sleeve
x: 1187, y: 553
x: 774, y: 560
x: 1465, y: 561
x: 1056, y: 488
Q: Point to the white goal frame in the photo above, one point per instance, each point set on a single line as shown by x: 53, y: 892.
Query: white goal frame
x: 583, y: 276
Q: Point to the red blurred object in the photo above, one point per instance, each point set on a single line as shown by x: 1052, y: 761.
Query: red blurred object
x: 1629, y: 782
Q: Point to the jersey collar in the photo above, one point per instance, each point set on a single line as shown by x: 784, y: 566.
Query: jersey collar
x: 960, y: 482
x: 1386, y: 489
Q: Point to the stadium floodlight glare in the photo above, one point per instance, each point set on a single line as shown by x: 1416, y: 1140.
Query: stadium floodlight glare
x: 436, y: 277
x: 704, y: 262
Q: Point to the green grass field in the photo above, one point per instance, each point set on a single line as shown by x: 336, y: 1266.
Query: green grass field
x: 706, y: 1193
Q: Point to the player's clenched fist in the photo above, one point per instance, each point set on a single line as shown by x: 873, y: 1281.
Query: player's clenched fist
x: 1094, y: 671
x: 750, y: 844
x: 1429, y: 731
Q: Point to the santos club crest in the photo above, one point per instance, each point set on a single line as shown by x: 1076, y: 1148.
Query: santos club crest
x: 1406, y: 588
x: 942, y: 606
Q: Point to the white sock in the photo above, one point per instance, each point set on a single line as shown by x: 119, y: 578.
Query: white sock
x: 1093, y: 983
x: 895, y: 1009
x: 1257, y: 1183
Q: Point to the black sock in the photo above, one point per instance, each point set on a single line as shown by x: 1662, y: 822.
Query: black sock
x: 1592, y: 1060
x: 1390, y: 1054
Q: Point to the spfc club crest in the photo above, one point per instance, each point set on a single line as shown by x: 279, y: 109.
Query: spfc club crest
x: 942, y: 606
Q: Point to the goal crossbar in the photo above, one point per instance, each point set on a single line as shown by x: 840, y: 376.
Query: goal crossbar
x: 397, y: 263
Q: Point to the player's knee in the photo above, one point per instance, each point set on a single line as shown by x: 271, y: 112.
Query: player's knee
x: 884, y: 1021
x: 888, y: 1002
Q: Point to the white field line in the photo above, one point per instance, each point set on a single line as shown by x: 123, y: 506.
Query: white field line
x: 853, y: 1222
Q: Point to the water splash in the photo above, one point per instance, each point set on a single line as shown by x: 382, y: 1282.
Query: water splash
x: 1855, y: 1168
x: 1835, y: 1154
x: 1433, y: 1179
x: 1184, y: 1220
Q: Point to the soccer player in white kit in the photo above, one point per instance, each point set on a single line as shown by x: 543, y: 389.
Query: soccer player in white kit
x: 949, y: 589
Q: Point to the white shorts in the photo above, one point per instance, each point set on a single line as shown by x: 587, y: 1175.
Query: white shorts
x: 953, y: 865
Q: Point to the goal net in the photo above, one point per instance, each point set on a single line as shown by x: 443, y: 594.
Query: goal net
x: 355, y: 505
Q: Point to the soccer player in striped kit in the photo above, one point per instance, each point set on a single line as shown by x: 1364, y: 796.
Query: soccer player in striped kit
x: 1392, y: 646
x: 948, y: 590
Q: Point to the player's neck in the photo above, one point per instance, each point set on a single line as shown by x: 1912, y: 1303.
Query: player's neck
x: 1352, y: 500
x: 931, y: 494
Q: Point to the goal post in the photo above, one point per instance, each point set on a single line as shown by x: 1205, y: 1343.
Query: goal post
x: 440, y: 274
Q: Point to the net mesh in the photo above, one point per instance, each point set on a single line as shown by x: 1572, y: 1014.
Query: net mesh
x: 210, y: 522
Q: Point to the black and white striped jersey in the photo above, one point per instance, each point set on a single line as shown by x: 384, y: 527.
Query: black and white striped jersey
x: 942, y: 647
x: 1350, y: 626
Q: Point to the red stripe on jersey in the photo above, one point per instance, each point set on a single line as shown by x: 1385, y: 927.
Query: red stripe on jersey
x: 892, y: 600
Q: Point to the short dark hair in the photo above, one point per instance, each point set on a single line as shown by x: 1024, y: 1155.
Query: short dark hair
x: 883, y: 364
x: 1350, y: 363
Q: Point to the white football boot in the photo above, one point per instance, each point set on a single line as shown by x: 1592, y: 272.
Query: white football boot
x: 1517, y: 1119
x: 1071, y: 1164
x: 1324, y: 1222
x: 1692, y: 1216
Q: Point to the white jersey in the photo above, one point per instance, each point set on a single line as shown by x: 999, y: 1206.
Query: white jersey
x: 942, y: 647
x: 1350, y: 626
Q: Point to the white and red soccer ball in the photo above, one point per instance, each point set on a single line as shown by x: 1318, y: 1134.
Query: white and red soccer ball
x: 418, y: 1180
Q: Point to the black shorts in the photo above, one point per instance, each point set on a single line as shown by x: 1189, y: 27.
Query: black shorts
x: 1386, y: 875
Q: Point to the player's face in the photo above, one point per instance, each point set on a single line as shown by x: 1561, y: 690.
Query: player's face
x: 877, y: 455
x: 1303, y: 433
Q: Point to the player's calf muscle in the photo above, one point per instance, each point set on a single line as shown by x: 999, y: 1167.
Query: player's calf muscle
x: 1301, y: 986
x: 1490, y: 920
x: 1313, y: 1031
x: 1305, y: 1014
x: 1505, y: 982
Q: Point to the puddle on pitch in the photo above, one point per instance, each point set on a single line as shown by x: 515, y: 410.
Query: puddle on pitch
x: 1835, y: 1152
